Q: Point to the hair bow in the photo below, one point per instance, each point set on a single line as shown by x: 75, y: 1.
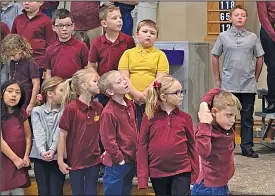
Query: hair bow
x: 157, y: 85
x: 39, y: 97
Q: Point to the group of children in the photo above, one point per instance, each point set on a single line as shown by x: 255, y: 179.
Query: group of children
x: 119, y: 94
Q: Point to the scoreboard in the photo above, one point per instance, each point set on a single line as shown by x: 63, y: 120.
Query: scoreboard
x: 218, y: 17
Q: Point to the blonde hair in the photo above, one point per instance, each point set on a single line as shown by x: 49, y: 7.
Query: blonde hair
x: 149, y: 23
x: 49, y: 84
x: 14, y: 44
x: 103, y: 12
x: 105, y: 81
x: 238, y: 7
x: 226, y: 99
x: 72, y: 87
x: 153, y: 101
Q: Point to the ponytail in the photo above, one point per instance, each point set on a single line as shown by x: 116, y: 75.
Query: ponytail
x: 152, y: 103
x: 68, y: 92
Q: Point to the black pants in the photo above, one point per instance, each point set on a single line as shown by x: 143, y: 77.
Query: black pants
x: 173, y: 185
x: 247, y: 122
x: 48, y: 177
x: 269, y: 59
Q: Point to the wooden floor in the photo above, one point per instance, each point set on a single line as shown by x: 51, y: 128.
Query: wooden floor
x: 67, y: 189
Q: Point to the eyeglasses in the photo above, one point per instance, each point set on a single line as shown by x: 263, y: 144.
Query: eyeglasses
x: 179, y: 93
x: 61, y: 26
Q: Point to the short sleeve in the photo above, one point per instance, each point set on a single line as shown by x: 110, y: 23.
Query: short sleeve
x: 218, y: 47
x: 124, y: 61
x: 163, y: 64
x: 48, y: 59
x: 24, y: 114
x: 93, y: 56
x: 258, y: 49
x: 84, y: 55
x: 33, y: 70
x: 65, y: 120
x: 131, y: 43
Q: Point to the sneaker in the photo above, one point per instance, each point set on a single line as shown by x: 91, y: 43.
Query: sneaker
x: 250, y: 154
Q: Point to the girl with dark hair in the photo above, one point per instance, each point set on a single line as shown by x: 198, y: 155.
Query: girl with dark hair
x: 15, y: 140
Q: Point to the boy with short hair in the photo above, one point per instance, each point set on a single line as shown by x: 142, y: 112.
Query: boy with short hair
x: 119, y: 135
x: 9, y: 11
x: 66, y: 55
x: 36, y: 27
x: 143, y: 64
x: 214, y: 141
x: 242, y: 66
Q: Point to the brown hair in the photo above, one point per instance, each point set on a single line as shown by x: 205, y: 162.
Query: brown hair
x: 238, y: 7
x: 49, y: 84
x: 224, y: 99
x: 153, y: 100
x: 105, y: 81
x: 147, y: 22
x: 14, y: 44
x: 61, y: 14
x: 72, y: 87
x: 103, y: 12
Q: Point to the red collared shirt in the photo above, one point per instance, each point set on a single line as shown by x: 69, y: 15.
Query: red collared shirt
x: 38, y: 31
x: 82, y: 124
x: 66, y: 58
x: 4, y: 30
x: 108, y: 54
x: 119, y: 133
x: 166, y: 147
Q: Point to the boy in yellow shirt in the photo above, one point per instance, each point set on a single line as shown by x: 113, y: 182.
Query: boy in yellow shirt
x: 143, y: 64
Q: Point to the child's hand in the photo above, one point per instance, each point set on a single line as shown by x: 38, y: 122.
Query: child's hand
x: 19, y: 163
x: 50, y: 154
x: 204, y: 114
x: 29, y: 109
x: 102, y: 156
x: 64, y: 168
x: 140, y: 97
x: 26, y: 161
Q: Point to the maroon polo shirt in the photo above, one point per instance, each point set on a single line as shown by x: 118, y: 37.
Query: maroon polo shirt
x: 266, y: 13
x: 23, y: 71
x: 82, y: 124
x: 85, y: 14
x: 4, y: 30
x: 216, y: 149
x: 108, y: 54
x: 38, y: 31
x: 66, y: 58
x: 166, y: 147
x: 119, y: 133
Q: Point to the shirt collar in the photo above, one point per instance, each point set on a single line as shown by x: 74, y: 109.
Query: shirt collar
x: 149, y: 50
x: 119, y: 39
x: 85, y: 107
x: 218, y: 128
x: 48, y: 110
x: 70, y: 42
x: 39, y: 13
x: 174, y: 111
x: 237, y: 32
x: 119, y: 106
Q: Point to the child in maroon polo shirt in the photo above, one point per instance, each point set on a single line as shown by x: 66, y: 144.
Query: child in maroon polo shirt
x: 79, y: 132
x: 166, y: 146
x: 67, y: 55
x: 215, y: 142
x: 36, y: 27
x: 106, y: 50
x: 22, y: 67
x: 119, y: 134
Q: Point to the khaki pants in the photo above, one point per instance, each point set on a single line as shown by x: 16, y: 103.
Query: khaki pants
x: 93, y: 33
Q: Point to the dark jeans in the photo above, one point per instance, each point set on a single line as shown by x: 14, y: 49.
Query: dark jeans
x: 173, y: 185
x: 140, y: 109
x: 84, y: 181
x: 118, y: 179
x: 247, y: 100
x: 269, y: 59
x: 48, y: 177
x: 200, y: 189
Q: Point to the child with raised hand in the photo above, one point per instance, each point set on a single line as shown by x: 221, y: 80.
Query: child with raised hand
x: 15, y: 140
x: 79, y: 133
x: 45, y: 124
x: 215, y: 142
x: 166, y: 146
x: 22, y: 67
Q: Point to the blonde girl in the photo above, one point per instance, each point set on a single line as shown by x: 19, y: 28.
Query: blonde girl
x: 80, y: 132
x: 45, y: 124
x: 166, y: 146
x: 22, y: 67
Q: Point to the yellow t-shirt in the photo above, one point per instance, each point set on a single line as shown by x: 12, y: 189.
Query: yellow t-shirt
x: 143, y: 65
